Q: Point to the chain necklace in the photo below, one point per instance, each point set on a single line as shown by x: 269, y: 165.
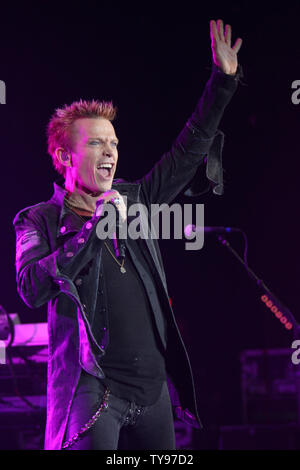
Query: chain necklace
x: 122, y: 269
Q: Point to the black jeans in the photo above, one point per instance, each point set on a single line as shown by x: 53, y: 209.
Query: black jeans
x: 123, y: 424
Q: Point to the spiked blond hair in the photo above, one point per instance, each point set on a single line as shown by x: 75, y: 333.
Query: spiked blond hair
x: 60, y: 122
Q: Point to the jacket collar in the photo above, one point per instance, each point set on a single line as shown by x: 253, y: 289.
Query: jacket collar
x: 70, y: 222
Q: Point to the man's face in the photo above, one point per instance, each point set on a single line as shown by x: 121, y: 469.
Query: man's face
x: 94, y: 153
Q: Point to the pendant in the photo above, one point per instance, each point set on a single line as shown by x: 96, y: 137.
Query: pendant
x: 123, y: 270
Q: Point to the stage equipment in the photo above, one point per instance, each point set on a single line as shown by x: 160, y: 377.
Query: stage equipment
x: 259, y: 359
x: 23, y: 379
x: 269, y: 387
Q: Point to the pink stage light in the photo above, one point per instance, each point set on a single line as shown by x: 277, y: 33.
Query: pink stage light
x: 274, y: 309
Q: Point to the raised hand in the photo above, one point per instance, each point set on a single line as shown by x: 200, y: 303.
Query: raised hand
x: 224, y: 56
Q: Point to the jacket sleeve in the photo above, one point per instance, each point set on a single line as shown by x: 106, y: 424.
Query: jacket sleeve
x: 39, y: 270
x: 200, y: 134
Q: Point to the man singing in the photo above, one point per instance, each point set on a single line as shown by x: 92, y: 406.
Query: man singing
x: 118, y: 371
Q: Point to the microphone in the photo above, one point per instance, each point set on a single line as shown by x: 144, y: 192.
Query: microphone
x: 189, y: 229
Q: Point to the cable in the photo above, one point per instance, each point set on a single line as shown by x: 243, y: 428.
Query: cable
x: 15, y: 383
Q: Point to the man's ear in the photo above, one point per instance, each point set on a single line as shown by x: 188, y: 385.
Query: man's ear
x: 63, y: 156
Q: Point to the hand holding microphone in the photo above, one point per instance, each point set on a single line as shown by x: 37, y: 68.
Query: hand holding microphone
x: 115, y: 198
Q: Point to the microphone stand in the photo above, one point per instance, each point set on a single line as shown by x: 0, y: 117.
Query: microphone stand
x: 283, y: 308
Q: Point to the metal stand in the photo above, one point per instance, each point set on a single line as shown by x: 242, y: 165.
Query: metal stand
x: 276, y: 301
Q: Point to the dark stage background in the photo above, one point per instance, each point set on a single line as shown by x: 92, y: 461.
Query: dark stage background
x: 153, y: 61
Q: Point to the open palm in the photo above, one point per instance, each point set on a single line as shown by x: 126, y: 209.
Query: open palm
x: 224, y: 55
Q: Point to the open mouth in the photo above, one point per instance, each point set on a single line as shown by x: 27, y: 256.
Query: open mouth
x: 105, y: 170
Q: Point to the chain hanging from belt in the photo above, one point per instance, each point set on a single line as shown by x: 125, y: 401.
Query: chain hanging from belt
x: 90, y: 423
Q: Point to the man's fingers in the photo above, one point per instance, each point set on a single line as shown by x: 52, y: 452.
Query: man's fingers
x: 220, y: 29
x: 118, y: 201
x: 237, y: 45
x: 228, y: 34
x: 110, y: 196
x: 213, y: 31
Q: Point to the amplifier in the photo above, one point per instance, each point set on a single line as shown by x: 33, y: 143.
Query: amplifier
x: 268, y: 386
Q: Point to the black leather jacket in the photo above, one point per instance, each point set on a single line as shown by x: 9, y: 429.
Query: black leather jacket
x: 55, y: 248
